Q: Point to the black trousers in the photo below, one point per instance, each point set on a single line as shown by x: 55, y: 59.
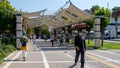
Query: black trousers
x: 52, y: 41
x: 82, y: 53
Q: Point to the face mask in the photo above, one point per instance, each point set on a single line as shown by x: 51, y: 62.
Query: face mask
x: 80, y: 34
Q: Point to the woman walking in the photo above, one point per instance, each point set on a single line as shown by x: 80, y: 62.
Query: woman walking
x: 24, y: 48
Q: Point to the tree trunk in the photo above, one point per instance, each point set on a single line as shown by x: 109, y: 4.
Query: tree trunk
x: 116, y: 29
x: 3, y: 35
x: 102, y: 39
x: 88, y: 37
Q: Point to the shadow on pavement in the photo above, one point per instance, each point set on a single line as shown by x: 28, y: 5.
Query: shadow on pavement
x: 47, y: 46
x: 13, y: 60
x: 72, y: 66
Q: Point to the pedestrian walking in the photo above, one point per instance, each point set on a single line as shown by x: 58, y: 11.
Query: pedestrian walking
x: 61, y: 40
x: 80, y: 46
x: 45, y: 38
x: 52, y: 39
x: 34, y: 38
x: 31, y: 38
x: 24, y: 48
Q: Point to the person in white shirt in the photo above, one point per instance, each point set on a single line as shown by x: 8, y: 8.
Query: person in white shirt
x: 34, y: 38
x: 52, y: 39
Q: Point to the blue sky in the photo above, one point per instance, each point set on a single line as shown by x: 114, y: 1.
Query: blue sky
x: 53, y: 5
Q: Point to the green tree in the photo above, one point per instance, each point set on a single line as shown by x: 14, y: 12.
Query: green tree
x: 36, y: 30
x: 94, y: 8
x: 45, y: 32
x: 116, y: 15
x: 42, y: 30
x: 90, y: 22
x: 88, y: 11
x: 7, y: 19
x: 30, y: 30
x: 104, y: 21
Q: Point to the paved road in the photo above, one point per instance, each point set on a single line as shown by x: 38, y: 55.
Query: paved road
x: 42, y: 55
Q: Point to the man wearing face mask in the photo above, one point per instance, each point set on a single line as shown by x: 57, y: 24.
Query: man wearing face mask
x: 80, y: 46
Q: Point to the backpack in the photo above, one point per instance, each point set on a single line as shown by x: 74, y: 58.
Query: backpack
x: 24, y: 43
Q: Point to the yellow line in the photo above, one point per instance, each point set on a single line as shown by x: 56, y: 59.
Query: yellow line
x: 102, y: 61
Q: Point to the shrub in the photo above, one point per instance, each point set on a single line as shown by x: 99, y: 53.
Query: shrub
x: 2, y: 56
x: 5, y: 50
x: 8, y: 40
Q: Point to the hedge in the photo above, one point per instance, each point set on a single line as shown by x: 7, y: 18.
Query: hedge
x: 6, y: 49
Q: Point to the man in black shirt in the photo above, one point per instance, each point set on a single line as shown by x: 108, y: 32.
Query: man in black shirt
x: 80, y: 48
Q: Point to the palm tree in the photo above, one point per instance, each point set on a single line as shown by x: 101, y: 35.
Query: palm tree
x: 115, y: 15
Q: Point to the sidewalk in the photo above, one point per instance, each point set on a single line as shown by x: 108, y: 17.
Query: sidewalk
x: 115, y: 41
x: 43, y: 55
x: 36, y: 58
x: 33, y: 60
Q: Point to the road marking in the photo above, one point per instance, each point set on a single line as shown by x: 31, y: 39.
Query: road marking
x: 74, y: 58
x: 34, y: 52
x: 98, y: 56
x: 9, y: 56
x: 66, y: 61
x: 44, y: 59
x: 108, y: 52
x: 8, y: 63
x: 55, y: 47
x: 48, y: 61
x: 28, y: 62
x: 103, y: 57
x: 69, y: 56
x: 101, y: 60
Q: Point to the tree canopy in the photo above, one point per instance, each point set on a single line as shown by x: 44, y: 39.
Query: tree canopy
x: 42, y: 30
x: 106, y: 13
x: 7, y: 19
x: 116, y: 13
x: 94, y: 8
